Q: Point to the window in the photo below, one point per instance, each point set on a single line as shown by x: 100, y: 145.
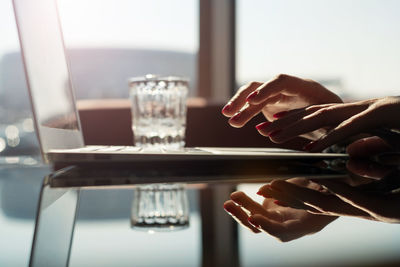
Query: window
x: 352, y: 47
x: 109, y: 41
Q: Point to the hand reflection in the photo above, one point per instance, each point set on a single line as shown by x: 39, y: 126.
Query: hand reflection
x: 284, y: 223
x: 361, y: 151
x: 368, y: 169
x: 369, y: 201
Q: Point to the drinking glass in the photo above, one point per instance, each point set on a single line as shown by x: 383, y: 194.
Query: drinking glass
x: 159, y: 111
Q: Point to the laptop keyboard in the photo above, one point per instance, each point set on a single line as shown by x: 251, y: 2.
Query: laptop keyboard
x: 127, y: 149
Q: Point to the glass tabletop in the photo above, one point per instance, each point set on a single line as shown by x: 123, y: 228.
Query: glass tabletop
x: 47, y: 220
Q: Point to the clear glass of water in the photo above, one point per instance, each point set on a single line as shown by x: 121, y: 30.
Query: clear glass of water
x: 159, y: 111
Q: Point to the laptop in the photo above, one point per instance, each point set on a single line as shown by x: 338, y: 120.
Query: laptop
x: 57, y: 121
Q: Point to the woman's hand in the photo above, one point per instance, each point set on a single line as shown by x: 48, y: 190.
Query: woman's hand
x: 366, y: 201
x: 284, y: 223
x: 282, y: 93
x: 347, y: 120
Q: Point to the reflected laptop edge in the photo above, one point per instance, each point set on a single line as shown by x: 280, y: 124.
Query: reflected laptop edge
x: 57, y: 121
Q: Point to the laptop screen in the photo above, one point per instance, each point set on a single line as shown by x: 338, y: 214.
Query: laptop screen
x: 47, y: 74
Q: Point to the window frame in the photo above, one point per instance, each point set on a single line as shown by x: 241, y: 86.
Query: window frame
x: 216, y: 57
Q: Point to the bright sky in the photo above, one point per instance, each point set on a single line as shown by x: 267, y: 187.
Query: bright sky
x: 160, y: 24
x: 169, y: 25
x: 356, y: 41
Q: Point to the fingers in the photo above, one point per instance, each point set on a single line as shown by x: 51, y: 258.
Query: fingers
x: 288, y: 85
x: 276, y: 86
x: 276, y: 229
x: 351, y: 119
x: 239, y: 99
x: 283, y: 90
x: 245, y: 114
x: 247, y: 203
x: 307, y: 120
x: 281, y: 93
x: 241, y: 207
x: 239, y: 215
x: 381, y: 207
x: 252, y: 207
x: 283, y: 119
x: 288, y: 125
x: 351, y: 195
x: 327, y: 204
x: 284, y: 198
x: 352, y: 126
x: 293, y: 228
x: 239, y: 109
x: 367, y: 169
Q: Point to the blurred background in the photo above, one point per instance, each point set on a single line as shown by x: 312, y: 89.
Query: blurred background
x: 349, y: 46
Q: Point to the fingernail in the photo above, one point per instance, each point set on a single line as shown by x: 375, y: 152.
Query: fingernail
x: 263, y: 194
x: 262, y: 125
x: 226, y: 108
x: 236, y: 117
x: 279, y: 203
x: 272, y: 134
x: 279, y: 114
x: 228, y: 209
x: 252, y: 96
x: 309, y: 146
x: 253, y: 222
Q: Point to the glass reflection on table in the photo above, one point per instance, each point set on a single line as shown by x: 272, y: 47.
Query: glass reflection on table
x: 221, y: 242
x: 160, y: 207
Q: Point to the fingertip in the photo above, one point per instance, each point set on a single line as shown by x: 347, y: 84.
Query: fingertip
x: 234, y: 121
x: 260, y: 193
x: 236, y: 117
x: 280, y: 114
x: 251, y: 98
x: 237, y: 195
x: 227, y: 203
x: 253, y: 222
x: 228, y: 206
x: 264, y: 189
x: 263, y: 194
x: 226, y: 110
x: 262, y: 126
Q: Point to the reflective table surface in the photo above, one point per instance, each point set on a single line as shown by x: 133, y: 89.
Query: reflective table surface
x: 48, y: 220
